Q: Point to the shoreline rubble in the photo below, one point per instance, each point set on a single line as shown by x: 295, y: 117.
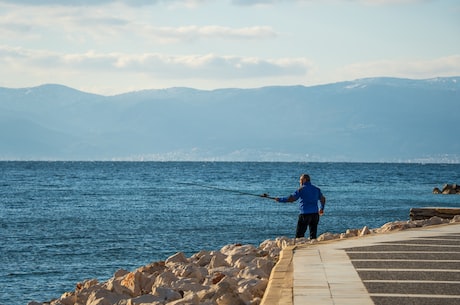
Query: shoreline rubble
x: 236, y: 274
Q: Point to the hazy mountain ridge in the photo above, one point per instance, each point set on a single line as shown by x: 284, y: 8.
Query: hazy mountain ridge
x: 375, y: 119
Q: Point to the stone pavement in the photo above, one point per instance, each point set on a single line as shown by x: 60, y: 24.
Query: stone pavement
x: 416, y: 266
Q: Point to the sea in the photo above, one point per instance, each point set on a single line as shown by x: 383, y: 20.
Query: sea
x: 64, y: 222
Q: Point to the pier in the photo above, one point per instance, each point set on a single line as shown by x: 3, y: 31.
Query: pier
x: 414, y: 266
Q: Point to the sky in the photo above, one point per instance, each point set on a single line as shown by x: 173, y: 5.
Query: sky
x: 111, y: 47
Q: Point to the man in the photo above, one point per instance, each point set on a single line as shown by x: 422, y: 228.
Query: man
x: 309, y: 213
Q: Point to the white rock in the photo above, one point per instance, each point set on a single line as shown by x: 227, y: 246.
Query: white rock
x: 266, y: 244
x: 166, y: 294
x: 188, y: 284
x: 364, y: 231
x: 238, y: 249
x: 244, y: 261
x: 165, y: 279
x: 255, y: 287
x: 218, y: 260
x: 252, y: 272
x: 227, y: 271
x: 352, y: 232
x: 282, y: 240
x: 328, y: 236
x: 191, y: 271
x: 230, y: 298
x: 146, y: 299
x: 203, y: 258
x: 265, y: 264
x: 242, y: 255
x: 178, y: 258
x: 104, y: 297
x: 190, y: 298
x: 455, y: 219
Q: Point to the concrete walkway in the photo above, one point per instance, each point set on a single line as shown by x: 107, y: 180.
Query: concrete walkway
x: 417, y: 266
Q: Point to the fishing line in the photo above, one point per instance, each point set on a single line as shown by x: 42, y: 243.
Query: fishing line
x: 228, y: 190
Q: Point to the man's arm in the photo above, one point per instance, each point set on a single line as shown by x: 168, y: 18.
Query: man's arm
x: 291, y: 198
x: 322, y: 199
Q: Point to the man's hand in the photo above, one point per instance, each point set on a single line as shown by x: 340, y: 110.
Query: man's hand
x: 321, y: 212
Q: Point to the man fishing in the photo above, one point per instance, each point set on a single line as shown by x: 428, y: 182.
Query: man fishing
x: 309, y: 211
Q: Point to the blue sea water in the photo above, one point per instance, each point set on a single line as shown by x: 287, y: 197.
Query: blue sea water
x: 64, y: 222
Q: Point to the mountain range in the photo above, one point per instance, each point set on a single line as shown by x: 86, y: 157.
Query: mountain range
x: 365, y: 120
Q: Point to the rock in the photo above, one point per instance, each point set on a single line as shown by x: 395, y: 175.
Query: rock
x: 328, y: 236
x: 252, y: 272
x: 86, y: 284
x: 448, y: 189
x: 132, y: 281
x: 153, y: 268
x: 364, y: 231
x: 103, y: 297
x: 146, y: 299
x: 68, y: 298
x: 178, y: 258
x: 217, y: 277
x: 435, y: 220
x: 265, y: 265
x: 187, y: 284
x: 230, y: 298
x: 190, y: 298
x: 202, y: 258
x: 437, y: 191
x: 246, y: 252
x: 191, y: 271
x: 255, y: 287
x: 391, y: 226
x: 166, y: 294
x: 218, y: 260
x: 227, y: 293
x: 455, y: 219
x: 165, y: 279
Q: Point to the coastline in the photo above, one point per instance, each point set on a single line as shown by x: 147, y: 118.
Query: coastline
x: 235, y: 274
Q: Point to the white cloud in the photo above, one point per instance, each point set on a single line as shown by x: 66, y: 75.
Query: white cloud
x: 444, y: 66
x: 75, y: 3
x: 367, y: 2
x: 159, y: 65
x: 193, y: 33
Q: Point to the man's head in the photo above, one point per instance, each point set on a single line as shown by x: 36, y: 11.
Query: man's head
x: 304, y: 178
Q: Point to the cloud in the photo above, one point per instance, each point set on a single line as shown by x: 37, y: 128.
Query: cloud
x: 76, y: 3
x: 193, y: 32
x: 366, y: 2
x: 187, y: 3
x: 443, y: 66
x: 157, y: 65
x: 78, y: 26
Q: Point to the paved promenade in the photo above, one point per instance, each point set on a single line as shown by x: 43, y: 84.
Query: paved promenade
x: 417, y: 266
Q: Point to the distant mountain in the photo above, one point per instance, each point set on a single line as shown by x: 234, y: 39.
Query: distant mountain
x: 374, y: 119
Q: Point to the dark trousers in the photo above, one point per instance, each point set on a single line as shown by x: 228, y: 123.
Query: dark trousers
x: 305, y: 221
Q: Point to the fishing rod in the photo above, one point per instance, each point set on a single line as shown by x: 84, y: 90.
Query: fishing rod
x: 264, y: 195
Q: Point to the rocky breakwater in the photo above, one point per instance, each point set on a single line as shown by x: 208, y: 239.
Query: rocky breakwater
x: 448, y: 189
x: 236, y: 274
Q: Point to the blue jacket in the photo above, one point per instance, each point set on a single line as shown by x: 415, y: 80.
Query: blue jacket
x: 309, y: 196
